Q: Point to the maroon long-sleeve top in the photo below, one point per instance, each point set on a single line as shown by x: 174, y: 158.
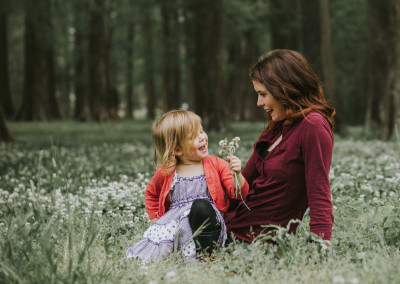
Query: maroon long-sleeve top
x: 291, y: 178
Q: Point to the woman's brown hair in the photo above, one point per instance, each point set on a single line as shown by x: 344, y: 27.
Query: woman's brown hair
x: 289, y: 78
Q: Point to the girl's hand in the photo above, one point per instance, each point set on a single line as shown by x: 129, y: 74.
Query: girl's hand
x: 235, y: 164
x: 153, y: 221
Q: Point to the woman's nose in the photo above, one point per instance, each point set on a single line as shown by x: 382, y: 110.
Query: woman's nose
x: 259, y: 101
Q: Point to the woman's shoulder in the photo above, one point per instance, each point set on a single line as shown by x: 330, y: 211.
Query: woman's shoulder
x: 314, y: 119
x: 314, y: 122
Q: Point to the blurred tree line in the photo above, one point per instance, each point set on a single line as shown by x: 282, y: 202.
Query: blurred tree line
x: 106, y: 60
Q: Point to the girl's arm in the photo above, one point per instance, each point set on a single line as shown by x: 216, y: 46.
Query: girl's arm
x: 235, y: 165
x: 152, y: 195
x: 227, y: 177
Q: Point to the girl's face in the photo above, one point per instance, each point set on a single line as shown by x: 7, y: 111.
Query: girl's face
x: 265, y: 100
x: 197, y: 150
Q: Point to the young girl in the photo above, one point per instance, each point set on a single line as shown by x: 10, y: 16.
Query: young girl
x: 188, y: 189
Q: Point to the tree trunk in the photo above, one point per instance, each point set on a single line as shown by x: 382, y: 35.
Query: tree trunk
x: 176, y: 62
x: 5, y: 134
x: 98, y: 62
x: 112, y: 94
x: 391, y: 94
x: 170, y: 49
x: 250, y: 111
x: 317, y: 48
x: 189, y: 32
x: 232, y: 109
x: 240, y: 98
x: 130, y: 39
x: 5, y: 94
x: 149, y: 68
x: 82, y: 111
x: 284, y: 24
x: 396, y: 72
x: 311, y: 34
x: 384, y: 52
x: 39, y: 101
x: 208, y: 69
x: 328, y: 66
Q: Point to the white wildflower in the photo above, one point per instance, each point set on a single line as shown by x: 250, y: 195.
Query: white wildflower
x: 338, y: 279
x: 171, y: 277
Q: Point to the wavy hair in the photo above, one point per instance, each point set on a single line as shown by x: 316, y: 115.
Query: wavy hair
x: 289, y: 78
x: 173, y: 131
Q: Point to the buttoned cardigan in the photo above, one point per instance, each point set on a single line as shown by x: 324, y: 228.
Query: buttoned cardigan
x: 217, y: 174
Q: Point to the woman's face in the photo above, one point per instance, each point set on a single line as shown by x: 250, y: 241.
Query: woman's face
x: 265, y: 100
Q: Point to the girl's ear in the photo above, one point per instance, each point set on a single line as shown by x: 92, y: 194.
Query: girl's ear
x: 178, y: 152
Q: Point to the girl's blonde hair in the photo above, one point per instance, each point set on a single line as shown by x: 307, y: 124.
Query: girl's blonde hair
x: 172, y: 132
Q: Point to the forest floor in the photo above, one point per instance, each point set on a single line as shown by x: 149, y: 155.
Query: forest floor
x: 72, y: 202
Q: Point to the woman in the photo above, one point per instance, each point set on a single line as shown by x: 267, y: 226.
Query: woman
x: 289, y: 168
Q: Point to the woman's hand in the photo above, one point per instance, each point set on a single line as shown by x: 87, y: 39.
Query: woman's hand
x: 152, y: 221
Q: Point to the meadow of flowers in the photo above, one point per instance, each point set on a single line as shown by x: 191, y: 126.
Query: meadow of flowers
x: 72, y: 201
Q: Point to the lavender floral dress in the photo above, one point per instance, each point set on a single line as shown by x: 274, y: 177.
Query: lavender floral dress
x: 158, y: 240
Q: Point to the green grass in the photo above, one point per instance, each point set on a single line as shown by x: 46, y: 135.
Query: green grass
x: 71, y: 202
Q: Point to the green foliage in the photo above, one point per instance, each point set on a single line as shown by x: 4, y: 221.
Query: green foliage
x: 70, y: 209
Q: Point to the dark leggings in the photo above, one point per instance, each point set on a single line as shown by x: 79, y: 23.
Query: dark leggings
x: 201, y: 212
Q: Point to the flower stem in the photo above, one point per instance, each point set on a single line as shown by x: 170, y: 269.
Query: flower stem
x: 237, y: 189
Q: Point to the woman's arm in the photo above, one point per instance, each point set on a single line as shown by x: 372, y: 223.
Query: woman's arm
x: 317, y: 145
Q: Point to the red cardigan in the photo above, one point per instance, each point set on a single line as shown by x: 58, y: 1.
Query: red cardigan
x: 217, y: 174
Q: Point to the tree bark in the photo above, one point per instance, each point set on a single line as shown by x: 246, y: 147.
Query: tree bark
x: 149, y: 63
x: 189, y: 33
x: 250, y: 111
x: 284, y: 24
x: 176, y: 62
x: 328, y: 66
x: 39, y: 101
x: 171, y: 73
x: 112, y: 94
x: 130, y: 39
x: 81, y: 64
x: 384, y: 63
x: 5, y: 134
x: 98, y: 62
x: 317, y: 48
x: 311, y: 34
x: 208, y: 69
x: 5, y: 94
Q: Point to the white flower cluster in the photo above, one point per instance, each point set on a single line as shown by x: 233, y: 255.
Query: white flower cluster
x: 111, y: 199
x: 229, y: 148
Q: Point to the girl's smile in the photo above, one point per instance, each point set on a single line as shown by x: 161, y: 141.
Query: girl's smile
x: 197, y: 151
